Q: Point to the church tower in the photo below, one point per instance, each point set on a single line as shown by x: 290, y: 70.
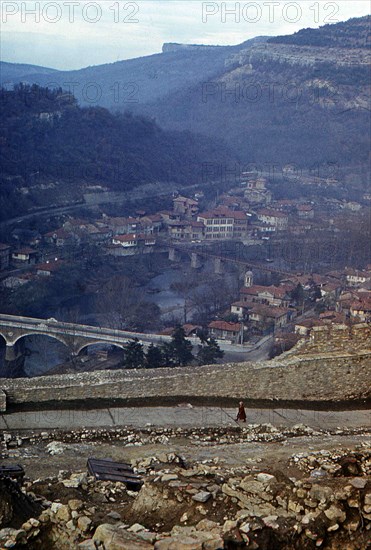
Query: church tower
x: 249, y: 279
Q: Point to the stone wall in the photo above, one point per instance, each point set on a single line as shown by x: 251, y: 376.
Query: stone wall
x: 333, y: 364
x: 350, y: 338
x: 326, y: 377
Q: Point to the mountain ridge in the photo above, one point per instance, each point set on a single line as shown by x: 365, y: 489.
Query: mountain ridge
x: 275, y: 100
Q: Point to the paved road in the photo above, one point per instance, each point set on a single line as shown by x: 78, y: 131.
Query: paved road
x: 181, y: 416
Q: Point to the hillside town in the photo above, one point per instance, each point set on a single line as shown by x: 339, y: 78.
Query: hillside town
x: 289, y: 307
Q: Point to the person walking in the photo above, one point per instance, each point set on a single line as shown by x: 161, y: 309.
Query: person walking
x: 241, y: 415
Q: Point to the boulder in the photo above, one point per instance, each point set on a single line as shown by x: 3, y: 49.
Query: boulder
x: 116, y: 537
x: 264, y: 478
x: 75, y: 504
x: 84, y: 523
x: 202, y: 496
x: 358, y: 482
x: 335, y: 514
x: 63, y: 513
x: 169, y: 477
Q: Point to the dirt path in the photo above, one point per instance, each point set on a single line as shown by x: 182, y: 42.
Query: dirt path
x: 274, y: 455
x: 183, y: 415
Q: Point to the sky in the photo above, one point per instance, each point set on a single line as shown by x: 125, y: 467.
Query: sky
x: 71, y: 34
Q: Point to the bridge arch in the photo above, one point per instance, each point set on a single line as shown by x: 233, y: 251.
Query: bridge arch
x: 86, y: 345
x: 60, y: 338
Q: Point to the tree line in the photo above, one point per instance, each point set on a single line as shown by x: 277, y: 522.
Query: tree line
x: 176, y: 353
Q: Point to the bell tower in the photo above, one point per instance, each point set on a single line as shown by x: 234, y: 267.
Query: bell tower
x: 249, y: 279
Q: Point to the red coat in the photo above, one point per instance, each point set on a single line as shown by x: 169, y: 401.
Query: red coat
x: 241, y: 415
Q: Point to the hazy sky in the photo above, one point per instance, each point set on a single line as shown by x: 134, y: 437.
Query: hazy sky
x: 70, y: 34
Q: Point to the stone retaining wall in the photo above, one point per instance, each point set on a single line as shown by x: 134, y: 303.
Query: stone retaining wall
x: 339, y: 337
x: 326, y: 377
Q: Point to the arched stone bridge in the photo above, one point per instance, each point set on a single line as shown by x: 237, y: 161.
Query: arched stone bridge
x: 75, y: 337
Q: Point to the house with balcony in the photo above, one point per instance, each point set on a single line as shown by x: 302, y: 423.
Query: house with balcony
x: 357, y: 278
x: 132, y: 240
x: 275, y: 218
x: 223, y: 330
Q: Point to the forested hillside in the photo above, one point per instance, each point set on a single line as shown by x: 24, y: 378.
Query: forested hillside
x: 354, y: 33
x: 45, y: 136
x: 301, y: 99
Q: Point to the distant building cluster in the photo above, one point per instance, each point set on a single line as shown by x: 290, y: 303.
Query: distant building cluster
x: 248, y: 214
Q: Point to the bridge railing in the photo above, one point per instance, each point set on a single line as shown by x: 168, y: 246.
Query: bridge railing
x: 71, y: 329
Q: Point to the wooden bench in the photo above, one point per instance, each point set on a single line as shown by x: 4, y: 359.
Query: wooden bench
x: 108, y: 470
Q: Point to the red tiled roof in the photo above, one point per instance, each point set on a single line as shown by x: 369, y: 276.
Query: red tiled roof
x: 49, y: 266
x: 224, y: 325
x: 268, y: 311
x: 224, y: 212
x: 363, y: 304
x: 255, y: 290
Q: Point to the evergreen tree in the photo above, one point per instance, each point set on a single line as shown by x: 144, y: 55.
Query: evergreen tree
x: 209, y: 352
x: 181, y: 347
x: 178, y: 351
x: 134, y: 356
x: 154, y: 357
x: 297, y: 294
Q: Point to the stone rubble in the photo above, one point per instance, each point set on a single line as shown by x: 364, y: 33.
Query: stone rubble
x: 251, y: 433
x: 208, y: 506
